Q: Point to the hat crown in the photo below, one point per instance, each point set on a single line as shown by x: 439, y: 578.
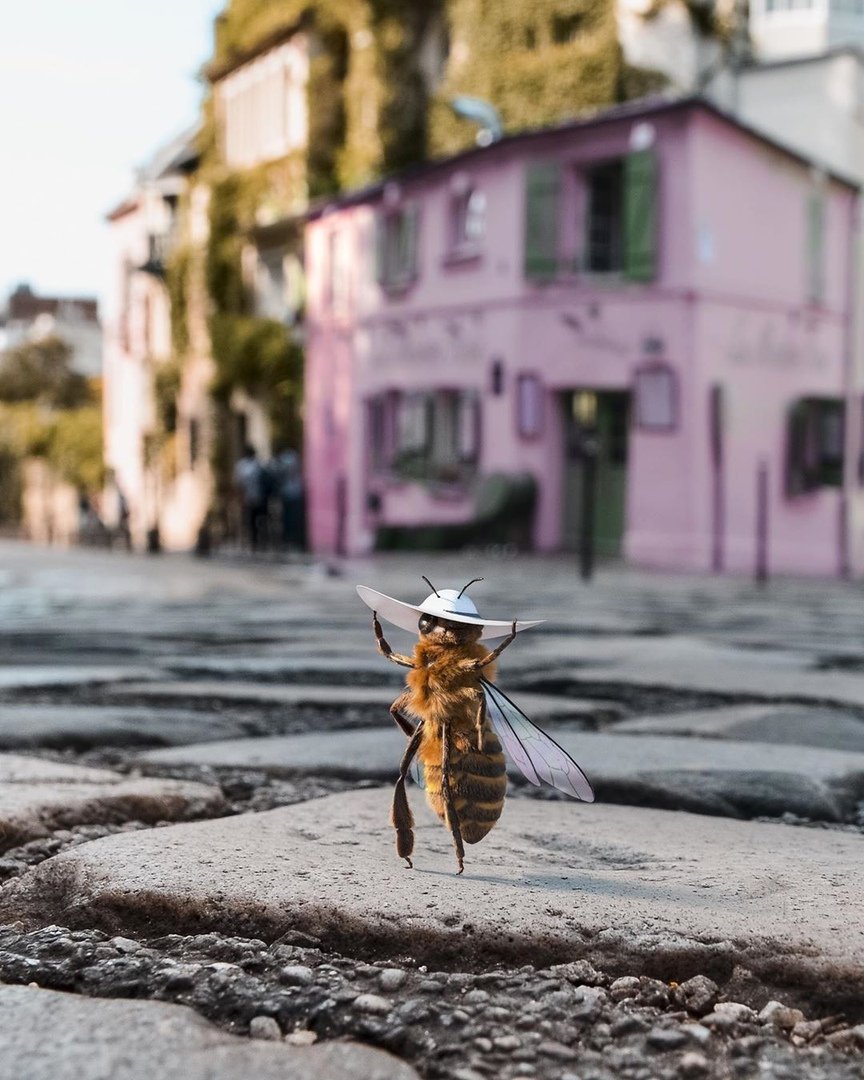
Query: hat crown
x: 449, y: 601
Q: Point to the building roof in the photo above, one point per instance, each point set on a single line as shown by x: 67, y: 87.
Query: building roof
x: 218, y: 69
x: 24, y: 305
x: 756, y: 66
x: 645, y: 108
x: 177, y: 157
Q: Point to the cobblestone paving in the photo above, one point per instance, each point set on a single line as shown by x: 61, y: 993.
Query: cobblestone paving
x: 86, y: 641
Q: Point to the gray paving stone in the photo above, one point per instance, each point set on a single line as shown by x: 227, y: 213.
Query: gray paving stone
x: 36, y: 675
x: 46, y: 1035
x: 541, y: 705
x: 84, y: 726
x: 785, y: 724
x: 553, y: 882
x: 703, y: 775
x: 38, y: 796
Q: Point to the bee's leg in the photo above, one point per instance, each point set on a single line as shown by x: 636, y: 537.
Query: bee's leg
x: 401, y: 817
x: 480, y: 722
x: 401, y: 720
x: 450, y: 810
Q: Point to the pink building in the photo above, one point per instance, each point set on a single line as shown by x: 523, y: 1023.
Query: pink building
x: 657, y: 289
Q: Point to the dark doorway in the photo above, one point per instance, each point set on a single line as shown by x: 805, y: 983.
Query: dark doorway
x: 595, y: 422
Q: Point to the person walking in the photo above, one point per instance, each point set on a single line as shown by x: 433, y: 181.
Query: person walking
x: 252, y: 483
x: 287, y: 471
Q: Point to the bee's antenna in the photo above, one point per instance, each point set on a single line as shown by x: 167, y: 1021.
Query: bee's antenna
x: 432, y: 587
x: 471, y: 582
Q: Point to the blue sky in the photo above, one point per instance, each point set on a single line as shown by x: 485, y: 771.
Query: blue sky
x: 88, y: 89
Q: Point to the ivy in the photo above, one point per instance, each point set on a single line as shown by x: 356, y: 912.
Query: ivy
x: 177, y: 275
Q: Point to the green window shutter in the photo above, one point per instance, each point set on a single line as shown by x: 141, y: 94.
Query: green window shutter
x: 640, y: 215
x: 816, y: 247
x: 381, y: 247
x: 542, y: 196
x: 408, y: 242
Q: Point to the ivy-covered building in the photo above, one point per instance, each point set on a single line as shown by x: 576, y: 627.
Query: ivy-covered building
x: 307, y: 98
x: 657, y: 294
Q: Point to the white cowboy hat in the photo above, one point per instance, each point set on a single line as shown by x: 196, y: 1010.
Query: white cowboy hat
x: 445, y: 604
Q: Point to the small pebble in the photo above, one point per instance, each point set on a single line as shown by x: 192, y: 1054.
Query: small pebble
x: 627, y: 986
x: 392, y: 979
x: 666, y: 1038
x: 693, y: 1064
x: 483, y: 1044
x: 264, y: 1027
x: 476, y: 997
x: 301, y: 1037
x: 556, y: 1050
x: 736, y: 1010
x: 507, y: 1042
x: 372, y: 1003
x: 296, y: 975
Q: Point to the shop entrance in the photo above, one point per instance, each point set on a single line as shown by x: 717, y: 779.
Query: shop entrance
x: 596, y: 425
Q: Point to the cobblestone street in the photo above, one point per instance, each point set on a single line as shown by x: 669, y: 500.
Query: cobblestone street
x: 196, y: 760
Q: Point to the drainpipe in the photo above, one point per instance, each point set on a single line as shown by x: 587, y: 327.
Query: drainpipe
x: 848, y: 561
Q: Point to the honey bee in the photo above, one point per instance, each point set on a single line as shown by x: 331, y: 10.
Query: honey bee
x: 464, y: 723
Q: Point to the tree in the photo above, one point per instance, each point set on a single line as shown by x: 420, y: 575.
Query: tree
x: 41, y: 372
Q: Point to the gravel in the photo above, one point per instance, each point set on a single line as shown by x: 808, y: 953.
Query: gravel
x: 498, y: 1022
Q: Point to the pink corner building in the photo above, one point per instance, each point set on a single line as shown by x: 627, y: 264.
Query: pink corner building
x: 636, y: 327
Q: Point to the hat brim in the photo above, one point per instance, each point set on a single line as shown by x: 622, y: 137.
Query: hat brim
x: 406, y: 616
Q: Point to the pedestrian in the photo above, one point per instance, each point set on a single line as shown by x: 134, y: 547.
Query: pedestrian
x: 287, y: 471
x: 253, y: 486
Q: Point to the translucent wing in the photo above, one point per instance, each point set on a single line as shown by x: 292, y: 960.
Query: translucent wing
x: 415, y: 771
x: 538, y: 756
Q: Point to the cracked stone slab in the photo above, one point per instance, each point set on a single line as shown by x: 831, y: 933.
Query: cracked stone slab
x: 792, y: 725
x: 48, y: 1035
x: 554, y: 881
x: 710, y: 776
x: 38, y: 796
x: 541, y: 705
x: 85, y: 726
x: 34, y: 676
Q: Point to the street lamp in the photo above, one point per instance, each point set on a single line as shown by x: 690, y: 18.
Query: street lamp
x: 479, y: 112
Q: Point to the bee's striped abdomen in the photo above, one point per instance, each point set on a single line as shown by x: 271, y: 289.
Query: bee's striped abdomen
x: 478, y: 781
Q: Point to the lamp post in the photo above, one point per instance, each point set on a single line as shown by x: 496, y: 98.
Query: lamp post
x: 481, y: 113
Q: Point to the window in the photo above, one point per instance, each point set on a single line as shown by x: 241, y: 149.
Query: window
x: 194, y: 442
x: 468, y: 221
x: 604, y: 250
x: 338, y: 272
x: 815, y: 440
x: 656, y: 398
x: 621, y: 223
x: 815, y: 247
x: 396, y: 247
x: 430, y: 435
x: 529, y: 406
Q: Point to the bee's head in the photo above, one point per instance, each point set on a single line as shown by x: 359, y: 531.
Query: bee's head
x: 448, y: 633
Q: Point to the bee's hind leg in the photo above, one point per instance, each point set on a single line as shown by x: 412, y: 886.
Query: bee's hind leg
x: 401, y: 817
x: 451, y: 816
x: 480, y: 722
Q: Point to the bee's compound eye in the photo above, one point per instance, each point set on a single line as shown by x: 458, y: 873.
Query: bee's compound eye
x: 426, y: 623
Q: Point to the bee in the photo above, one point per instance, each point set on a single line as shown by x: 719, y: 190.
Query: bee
x: 459, y: 725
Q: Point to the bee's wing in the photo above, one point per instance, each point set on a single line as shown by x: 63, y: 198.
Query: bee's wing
x: 538, y: 756
x: 417, y: 774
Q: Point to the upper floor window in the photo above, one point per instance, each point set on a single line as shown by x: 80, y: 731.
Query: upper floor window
x: 396, y: 246
x: 619, y: 230
x: 262, y: 106
x: 815, y: 257
x: 338, y: 271
x: 468, y: 220
x: 605, y: 227
x: 789, y: 5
